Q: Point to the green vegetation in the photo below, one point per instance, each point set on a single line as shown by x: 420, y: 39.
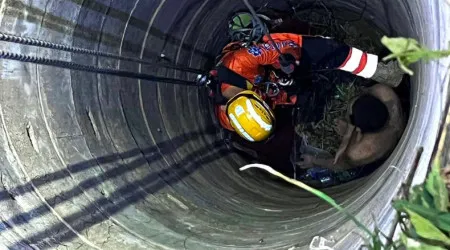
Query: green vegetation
x: 424, y: 215
x: 408, y: 51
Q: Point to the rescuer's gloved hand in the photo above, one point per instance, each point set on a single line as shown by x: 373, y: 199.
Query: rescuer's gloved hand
x: 388, y: 73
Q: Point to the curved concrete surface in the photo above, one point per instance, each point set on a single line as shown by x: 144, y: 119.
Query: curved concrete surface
x: 91, y: 161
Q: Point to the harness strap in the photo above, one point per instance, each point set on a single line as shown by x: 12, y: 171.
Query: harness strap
x: 228, y: 76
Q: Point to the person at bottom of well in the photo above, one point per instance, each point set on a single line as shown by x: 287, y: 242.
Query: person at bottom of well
x: 370, y: 131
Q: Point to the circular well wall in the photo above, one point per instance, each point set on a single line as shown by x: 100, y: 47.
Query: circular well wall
x: 94, y: 161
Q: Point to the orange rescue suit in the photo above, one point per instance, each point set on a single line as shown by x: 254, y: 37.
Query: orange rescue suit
x: 248, y: 62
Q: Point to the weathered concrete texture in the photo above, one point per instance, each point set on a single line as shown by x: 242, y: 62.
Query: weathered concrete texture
x: 92, y: 161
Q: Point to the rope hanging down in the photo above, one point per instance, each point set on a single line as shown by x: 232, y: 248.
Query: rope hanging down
x: 88, y: 68
x: 44, y: 44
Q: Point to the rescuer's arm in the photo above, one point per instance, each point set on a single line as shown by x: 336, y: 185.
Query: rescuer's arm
x: 320, y: 53
x: 325, y: 53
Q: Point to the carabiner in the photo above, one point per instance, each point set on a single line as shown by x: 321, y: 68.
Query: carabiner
x: 272, y: 89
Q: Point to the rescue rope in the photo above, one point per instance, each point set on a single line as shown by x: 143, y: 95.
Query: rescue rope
x: 256, y: 17
x: 45, y: 44
x: 88, y: 68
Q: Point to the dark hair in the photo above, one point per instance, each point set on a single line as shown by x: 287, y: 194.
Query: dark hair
x: 369, y: 114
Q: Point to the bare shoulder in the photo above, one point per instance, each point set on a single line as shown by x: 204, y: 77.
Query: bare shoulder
x: 382, y: 91
x: 359, y: 153
x: 385, y: 94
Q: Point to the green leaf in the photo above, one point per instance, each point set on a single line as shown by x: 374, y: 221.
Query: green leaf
x: 412, y: 244
x: 425, y: 229
x: 421, y: 196
x: 376, y: 243
x: 405, y: 68
x: 438, y: 218
x: 436, y: 187
x: 408, y: 51
x: 437, y: 54
x: 399, y: 45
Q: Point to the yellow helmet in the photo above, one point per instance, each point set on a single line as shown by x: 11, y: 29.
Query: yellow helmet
x: 250, y: 116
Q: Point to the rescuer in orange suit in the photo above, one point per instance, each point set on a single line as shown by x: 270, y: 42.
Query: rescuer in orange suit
x: 318, y: 53
x: 250, y: 71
